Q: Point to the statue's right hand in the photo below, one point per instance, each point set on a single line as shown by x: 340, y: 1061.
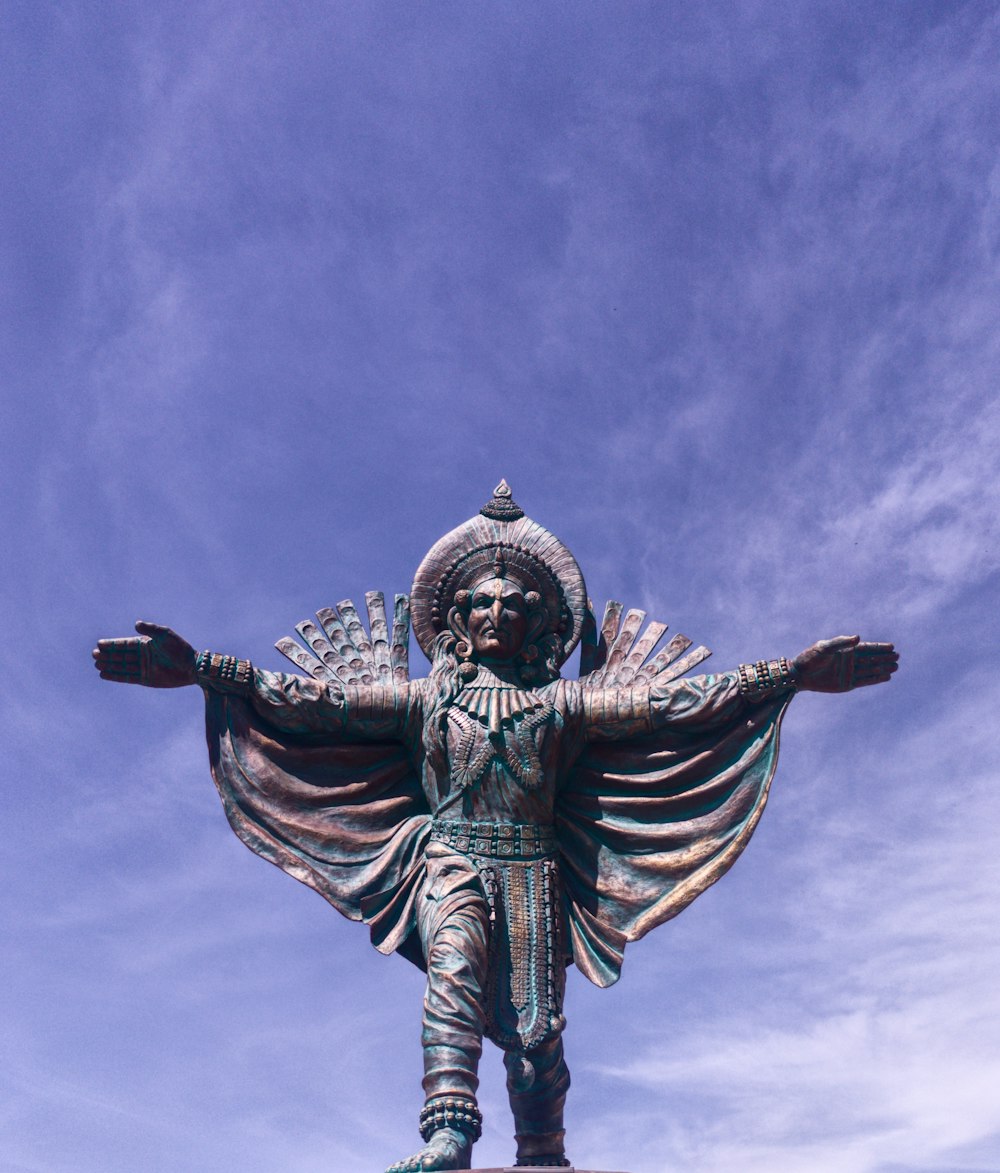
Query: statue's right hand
x: 158, y: 658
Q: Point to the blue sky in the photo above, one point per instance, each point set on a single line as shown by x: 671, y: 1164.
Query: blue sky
x: 288, y: 289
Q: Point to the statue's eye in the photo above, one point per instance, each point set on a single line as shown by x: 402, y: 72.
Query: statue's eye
x: 483, y: 602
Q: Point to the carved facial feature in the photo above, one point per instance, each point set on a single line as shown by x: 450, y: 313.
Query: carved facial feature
x: 498, y: 619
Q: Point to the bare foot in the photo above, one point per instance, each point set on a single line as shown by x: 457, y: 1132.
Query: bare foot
x: 448, y: 1148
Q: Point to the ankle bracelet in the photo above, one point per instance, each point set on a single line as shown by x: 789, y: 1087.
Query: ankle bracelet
x: 451, y: 1113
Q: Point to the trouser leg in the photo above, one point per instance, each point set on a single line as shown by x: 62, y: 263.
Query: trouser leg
x: 537, y: 1083
x: 454, y: 925
x: 453, y: 1007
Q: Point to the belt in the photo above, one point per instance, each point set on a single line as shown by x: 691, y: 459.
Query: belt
x: 497, y: 840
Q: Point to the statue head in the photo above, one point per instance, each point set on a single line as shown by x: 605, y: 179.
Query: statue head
x: 500, y: 589
x: 498, y: 622
x: 494, y: 616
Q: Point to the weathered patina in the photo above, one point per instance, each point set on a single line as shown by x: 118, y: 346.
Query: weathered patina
x: 495, y: 822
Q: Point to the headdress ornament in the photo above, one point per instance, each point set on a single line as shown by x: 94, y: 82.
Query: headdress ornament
x: 533, y: 557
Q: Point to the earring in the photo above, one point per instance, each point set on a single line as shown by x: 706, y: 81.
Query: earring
x: 463, y: 645
x: 466, y: 669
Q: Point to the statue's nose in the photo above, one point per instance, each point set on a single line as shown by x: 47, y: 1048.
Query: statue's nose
x: 496, y: 612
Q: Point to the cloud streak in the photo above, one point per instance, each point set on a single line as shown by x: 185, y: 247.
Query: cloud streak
x: 879, y: 1047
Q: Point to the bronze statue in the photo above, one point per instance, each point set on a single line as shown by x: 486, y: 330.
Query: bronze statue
x: 494, y: 822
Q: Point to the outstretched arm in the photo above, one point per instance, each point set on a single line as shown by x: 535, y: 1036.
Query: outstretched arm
x: 831, y: 665
x: 703, y: 702
x: 160, y: 658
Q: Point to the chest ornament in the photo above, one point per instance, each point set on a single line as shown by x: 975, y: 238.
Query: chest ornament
x: 498, y: 722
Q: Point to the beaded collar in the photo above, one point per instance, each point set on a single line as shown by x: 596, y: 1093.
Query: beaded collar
x: 496, y: 703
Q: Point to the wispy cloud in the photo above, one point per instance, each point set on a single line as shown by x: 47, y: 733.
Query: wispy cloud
x: 879, y: 1048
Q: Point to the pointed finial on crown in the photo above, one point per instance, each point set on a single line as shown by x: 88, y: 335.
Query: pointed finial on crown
x: 502, y: 507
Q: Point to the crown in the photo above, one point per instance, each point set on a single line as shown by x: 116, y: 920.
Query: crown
x: 502, y: 506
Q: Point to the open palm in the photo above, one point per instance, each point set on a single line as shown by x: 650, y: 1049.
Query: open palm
x: 158, y: 657
x: 843, y: 663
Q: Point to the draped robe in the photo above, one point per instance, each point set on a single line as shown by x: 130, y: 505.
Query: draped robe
x: 653, y: 796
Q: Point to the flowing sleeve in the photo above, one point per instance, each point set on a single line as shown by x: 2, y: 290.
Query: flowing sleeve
x: 657, y: 806
x: 299, y: 704
x: 320, y: 780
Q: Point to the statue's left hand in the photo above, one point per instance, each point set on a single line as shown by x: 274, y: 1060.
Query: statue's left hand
x: 843, y: 663
x: 158, y: 658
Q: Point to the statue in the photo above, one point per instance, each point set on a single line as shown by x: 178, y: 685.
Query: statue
x: 495, y: 822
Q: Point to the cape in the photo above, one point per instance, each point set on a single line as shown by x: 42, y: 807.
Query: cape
x: 644, y: 825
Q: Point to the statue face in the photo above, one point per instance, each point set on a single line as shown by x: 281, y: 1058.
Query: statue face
x: 498, y: 619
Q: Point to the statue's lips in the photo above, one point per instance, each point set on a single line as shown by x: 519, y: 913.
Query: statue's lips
x: 496, y: 643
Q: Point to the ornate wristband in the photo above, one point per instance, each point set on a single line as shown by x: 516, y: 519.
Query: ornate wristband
x: 766, y: 677
x: 451, y: 1113
x: 216, y: 669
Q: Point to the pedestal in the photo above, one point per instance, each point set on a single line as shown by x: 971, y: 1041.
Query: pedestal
x: 536, y: 1169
